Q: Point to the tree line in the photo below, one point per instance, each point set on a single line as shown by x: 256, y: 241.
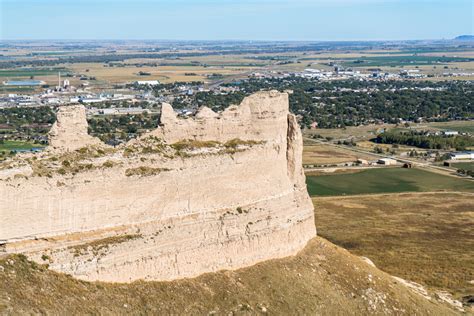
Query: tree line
x: 422, y: 140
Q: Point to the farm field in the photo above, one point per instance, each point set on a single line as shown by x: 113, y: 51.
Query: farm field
x: 460, y: 126
x: 175, y: 69
x: 48, y: 75
x: 27, y: 72
x: 359, y: 132
x: 403, y: 60
x: 16, y: 89
x: 463, y: 165
x: 321, y: 154
x: 165, y: 74
x: 370, y: 146
x: 422, y: 237
x: 384, y: 180
x: 10, y: 145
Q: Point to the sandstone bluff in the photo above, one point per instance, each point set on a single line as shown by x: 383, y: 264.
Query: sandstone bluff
x: 217, y: 191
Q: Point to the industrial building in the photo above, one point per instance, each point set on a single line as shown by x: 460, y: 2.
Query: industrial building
x: 387, y: 161
x: 462, y: 155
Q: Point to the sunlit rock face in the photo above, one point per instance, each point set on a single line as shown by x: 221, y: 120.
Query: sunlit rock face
x: 69, y: 132
x: 217, y: 191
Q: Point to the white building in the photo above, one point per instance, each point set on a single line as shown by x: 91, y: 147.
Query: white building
x: 462, y: 155
x: 450, y: 133
x: 147, y: 82
x: 387, y: 161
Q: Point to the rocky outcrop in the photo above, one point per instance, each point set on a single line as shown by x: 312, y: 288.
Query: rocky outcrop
x: 69, y: 132
x: 260, y: 117
x: 218, y: 191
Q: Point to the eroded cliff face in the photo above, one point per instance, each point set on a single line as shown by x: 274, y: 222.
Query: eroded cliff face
x: 218, y: 191
x: 69, y: 132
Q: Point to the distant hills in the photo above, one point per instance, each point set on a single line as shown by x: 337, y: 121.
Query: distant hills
x: 464, y: 38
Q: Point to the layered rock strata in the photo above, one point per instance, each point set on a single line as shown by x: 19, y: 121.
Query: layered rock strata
x: 217, y: 191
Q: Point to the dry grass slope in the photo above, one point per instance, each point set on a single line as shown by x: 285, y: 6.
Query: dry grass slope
x: 422, y: 237
x: 322, y: 279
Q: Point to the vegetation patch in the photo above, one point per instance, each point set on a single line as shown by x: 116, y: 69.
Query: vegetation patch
x: 71, y: 162
x: 183, y: 148
x: 111, y: 128
x: 460, y: 126
x: 424, y: 139
x: 321, y: 279
x: 148, y: 145
x: 108, y: 164
x: 9, y: 148
x: 467, y: 166
x: 237, y: 145
x: 144, y: 171
x: 102, y: 244
x: 193, y: 144
x: 28, y: 72
x: 26, y: 121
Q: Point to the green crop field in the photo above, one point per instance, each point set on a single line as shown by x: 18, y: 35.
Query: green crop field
x: 27, y: 72
x: 407, y: 60
x: 384, y: 180
x: 463, y: 165
x: 10, y: 145
x: 460, y: 126
x: 16, y: 89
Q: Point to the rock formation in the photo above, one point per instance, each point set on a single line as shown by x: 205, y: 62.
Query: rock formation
x: 70, y: 130
x: 217, y: 191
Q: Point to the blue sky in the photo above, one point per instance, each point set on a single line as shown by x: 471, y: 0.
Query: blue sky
x: 239, y: 19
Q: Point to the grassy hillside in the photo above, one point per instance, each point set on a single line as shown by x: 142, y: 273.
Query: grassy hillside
x: 423, y: 237
x: 384, y: 180
x: 323, y: 279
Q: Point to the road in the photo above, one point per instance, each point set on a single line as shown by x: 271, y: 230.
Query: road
x: 428, y: 166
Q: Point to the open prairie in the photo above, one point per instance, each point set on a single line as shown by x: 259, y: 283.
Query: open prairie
x: 422, y: 237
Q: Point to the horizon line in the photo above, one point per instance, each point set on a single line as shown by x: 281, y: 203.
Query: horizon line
x: 235, y: 40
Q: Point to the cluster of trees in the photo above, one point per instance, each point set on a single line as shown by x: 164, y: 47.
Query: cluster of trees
x: 422, y: 140
x: 169, y: 88
x: 347, y: 142
x: 218, y: 102
x: 215, y: 101
x: 117, y: 128
x: 125, y: 104
x: 20, y: 122
x: 350, y: 102
x: 468, y: 173
x: 32, y: 123
x: 343, y: 103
